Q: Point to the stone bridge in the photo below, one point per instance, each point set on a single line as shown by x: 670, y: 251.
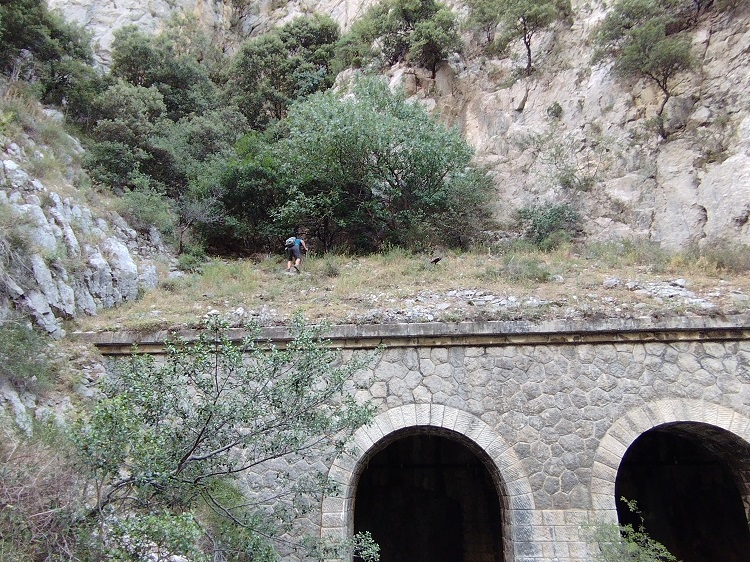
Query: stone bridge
x: 506, y: 441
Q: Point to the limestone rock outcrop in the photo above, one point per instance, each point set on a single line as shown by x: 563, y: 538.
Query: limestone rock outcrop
x: 228, y: 21
x: 58, y: 258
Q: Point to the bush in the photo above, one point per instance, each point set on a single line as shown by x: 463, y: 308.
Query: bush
x: 628, y: 252
x: 726, y: 256
x: 145, y: 208
x: 555, y: 111
x: 616, y: 543
x: 192, y: 258
x: 39, y: 492
x: 328, y: 265
x: 518, y: 268
x: 549, y: 225
x: 24, y: 355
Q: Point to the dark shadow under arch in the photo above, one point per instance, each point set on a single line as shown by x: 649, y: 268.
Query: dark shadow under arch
x: 429, y: 495
x: 690, y: 482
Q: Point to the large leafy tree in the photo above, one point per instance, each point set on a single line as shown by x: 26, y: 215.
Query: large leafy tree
x: 128, y: 117
x: 160, y: 124
x: 371, y: 167
x: 173, y: 66
x: 27, y: 25
x: 433, y: 39
x: 246, y: 191
x: 171, y: 444
x: 273, y: 70
x: 39, y: 46
x: 485, y: 16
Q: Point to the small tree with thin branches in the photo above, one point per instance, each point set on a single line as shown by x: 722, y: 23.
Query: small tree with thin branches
x: 635, y: 34
x: 194, y: 456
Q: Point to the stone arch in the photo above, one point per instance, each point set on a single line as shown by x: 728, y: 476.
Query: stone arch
x: 518, y: 501
x: 625, y: 430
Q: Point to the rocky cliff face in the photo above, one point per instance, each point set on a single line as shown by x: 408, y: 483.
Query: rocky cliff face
x: 58, y: 258
x: 572, y: 131
x: 229, y: 21
x: 575, y: 132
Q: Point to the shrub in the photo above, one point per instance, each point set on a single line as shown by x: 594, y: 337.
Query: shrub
x: 328, y: 265
x: 549, y: 224
x: 145, y: 208
x: 555, y: 111
x: 39, y: 492
x: 628, y: 252
x: 524, y: 268
x: 192, y: 258
x: 726, y: 256
x: 616, y: 543
x: 24, y: 357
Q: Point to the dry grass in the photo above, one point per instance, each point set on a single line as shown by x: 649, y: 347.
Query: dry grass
x: 571, y: 282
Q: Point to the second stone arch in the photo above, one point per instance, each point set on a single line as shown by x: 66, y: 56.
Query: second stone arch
x: 433, y: 483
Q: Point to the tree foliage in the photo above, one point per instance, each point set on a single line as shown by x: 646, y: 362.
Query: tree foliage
x: 433, y: 39
x: 520, y: 19
x: 40, y: 47
x: 168, y: 441
x: 421, y: 31
x: 624, y: 543
x: 484, y: 16
x: 273, y: 70
x: 370, y: 168
x: 178, y: 69
x: 523, y: 19
x: 246, y: 190
x: 27, y: 25
x: 647, y: 40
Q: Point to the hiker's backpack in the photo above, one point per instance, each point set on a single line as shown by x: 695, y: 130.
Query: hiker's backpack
x: 289, y: 242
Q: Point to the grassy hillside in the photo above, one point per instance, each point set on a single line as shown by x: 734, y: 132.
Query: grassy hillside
x: 496, y: 283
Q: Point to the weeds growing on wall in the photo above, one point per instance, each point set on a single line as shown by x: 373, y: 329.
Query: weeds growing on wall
x: 617, y: 543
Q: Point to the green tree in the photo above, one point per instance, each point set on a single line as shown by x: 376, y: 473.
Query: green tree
x: 127, y: 121
x: 27, y: 25
x: 246, y: 191
x: 523, y: 19
x: 273, y: 70
x: 433, y: 39
x: 485, y: 16
x: 169, y: 440
x: 371, y: 168
x: 168, y: 63
x: 53, y: 55
x: 636, y: 34
x: 423, y: 31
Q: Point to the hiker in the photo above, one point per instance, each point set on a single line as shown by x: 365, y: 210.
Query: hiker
x: 294, y: 253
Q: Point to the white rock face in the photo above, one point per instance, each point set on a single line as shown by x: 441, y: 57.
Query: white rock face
x: 48, y: 271
x: 103, y: 17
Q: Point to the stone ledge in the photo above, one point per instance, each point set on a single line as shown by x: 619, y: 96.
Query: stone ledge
x: 486, y: 333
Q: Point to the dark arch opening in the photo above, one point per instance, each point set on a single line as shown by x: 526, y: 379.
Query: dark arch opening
x: 428, y: 497
x: 690, y: 484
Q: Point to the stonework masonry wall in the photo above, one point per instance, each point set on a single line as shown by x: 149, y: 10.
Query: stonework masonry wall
x: 554, y: 407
